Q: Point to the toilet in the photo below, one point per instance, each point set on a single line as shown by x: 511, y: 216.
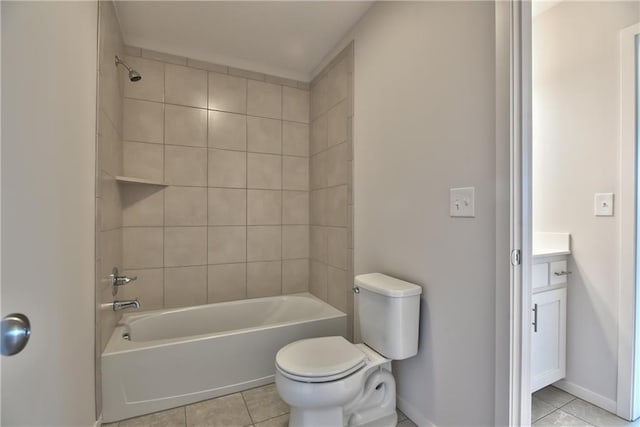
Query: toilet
x: 329, y: 381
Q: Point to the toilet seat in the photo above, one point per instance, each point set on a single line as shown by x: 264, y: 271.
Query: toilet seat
x: 319, y: 360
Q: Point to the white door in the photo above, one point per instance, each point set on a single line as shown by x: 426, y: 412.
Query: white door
x: 48, y: 93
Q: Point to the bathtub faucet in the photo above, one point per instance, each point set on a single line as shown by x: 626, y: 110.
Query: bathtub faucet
x: 121, y: 305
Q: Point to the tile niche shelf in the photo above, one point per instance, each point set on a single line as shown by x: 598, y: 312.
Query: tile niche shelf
x: 131, y: 180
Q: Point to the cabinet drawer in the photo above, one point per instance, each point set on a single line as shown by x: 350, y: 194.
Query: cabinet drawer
x: 558, y: 272
x: 540, y: 275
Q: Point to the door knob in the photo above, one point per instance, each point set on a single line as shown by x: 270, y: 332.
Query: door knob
x: 15, y: 332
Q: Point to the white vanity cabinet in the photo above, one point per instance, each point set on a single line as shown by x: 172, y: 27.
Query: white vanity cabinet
x: 549, y: 319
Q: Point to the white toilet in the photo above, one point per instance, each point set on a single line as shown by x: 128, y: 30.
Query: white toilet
x: 331, y: 382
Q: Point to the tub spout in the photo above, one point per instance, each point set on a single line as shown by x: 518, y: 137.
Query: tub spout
x: 121, y: 305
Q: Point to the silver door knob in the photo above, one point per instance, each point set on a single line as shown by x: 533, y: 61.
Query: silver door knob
x: 15, y: 333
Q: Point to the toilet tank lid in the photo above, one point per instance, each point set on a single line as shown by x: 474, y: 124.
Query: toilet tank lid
x: 387, y: 285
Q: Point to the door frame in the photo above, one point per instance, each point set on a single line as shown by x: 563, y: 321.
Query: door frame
x: 628, y: 297
x: 520, y: 231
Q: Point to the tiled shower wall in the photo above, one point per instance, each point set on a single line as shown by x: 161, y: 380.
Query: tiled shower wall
x: 233, y: 147
x: 331, y: 207
x: 108, y: 166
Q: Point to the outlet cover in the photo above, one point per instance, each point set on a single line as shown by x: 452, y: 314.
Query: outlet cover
x: 603, y: 204
x: 462, y: 202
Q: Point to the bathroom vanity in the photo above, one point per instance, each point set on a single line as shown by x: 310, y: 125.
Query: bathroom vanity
x: 549, y: 308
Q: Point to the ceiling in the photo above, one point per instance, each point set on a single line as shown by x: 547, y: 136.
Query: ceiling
x: 284, y: 38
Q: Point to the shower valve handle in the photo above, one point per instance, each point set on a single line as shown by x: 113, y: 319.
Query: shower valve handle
x: 117, y: 280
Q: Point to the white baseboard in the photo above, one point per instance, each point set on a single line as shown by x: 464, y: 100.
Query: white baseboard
x: 588, y: 395
x: 413, y: 413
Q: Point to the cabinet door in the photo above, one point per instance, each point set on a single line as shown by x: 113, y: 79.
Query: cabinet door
x: 548, y: 342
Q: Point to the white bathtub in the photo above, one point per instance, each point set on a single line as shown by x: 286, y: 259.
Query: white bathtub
x: 179, y: 356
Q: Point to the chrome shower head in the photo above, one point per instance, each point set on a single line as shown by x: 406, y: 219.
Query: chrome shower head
x: 134, y: 76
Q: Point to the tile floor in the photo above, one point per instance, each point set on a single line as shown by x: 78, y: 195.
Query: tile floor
x: 554, y: 407
x: 258, y: 407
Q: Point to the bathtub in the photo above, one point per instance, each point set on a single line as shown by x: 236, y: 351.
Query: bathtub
x: 161, y: 359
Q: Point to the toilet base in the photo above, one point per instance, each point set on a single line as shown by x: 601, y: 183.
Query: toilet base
x: 320, y: 417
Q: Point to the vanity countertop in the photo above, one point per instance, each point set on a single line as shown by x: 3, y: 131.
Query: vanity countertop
x: 551, y: 244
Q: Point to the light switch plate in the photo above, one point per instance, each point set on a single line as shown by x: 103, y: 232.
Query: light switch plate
x: 603, y: 204
x: 462, y: 202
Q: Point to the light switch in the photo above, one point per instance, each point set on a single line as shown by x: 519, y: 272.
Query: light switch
x: 603, y: 204
x: 462, y: 202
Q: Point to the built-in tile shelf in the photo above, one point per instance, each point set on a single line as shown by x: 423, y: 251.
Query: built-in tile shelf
x: 131, y: 180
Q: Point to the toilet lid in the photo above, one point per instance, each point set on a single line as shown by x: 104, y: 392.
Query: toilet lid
x: 319, y: 359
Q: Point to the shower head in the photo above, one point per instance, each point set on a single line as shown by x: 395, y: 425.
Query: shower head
x: 134, y: 76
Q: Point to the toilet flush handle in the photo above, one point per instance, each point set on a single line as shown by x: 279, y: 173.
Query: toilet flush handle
x: 356, y: 289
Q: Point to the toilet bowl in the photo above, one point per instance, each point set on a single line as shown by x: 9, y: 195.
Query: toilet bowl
x: 329, y: 381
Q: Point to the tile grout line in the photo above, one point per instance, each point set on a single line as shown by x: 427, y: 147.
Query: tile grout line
x: 246, y: 197
x: 164, y: 178
x: 206, y: 233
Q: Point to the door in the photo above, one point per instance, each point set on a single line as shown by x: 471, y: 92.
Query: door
x: 49, y: 52
x: 548, y: 338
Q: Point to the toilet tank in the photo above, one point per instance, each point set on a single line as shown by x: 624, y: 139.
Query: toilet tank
x: 389, y: 314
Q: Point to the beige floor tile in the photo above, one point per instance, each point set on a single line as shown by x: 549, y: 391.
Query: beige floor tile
x: 223, y: 411
x: 171, y: 418
x: 561, y: 418
x: 281, y: 421
x: 592, y: 414
x: 264, y: 403
x: 554, y: 396
x: 540, y: 409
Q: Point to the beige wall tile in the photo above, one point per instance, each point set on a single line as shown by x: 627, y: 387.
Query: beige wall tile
x: 142, y: 205
x: 227, y: 169
x: 227, y: 206
x: 318, y: 138
x: 185, y: 246
x: 227, y: 131
x: 111, y: 246
x: 185, y: 165
x: 203, y: 65
x: 227, y: 93
x: 185, y: 86
x: 142, y: 247
x: 264, y: 135
x: 164, y: 57
x: 264, y: 171
x: 337, y: 83
x: 281, y: 81
x: 295, y: 207
x: 151, y: 87
x: 143, y: 160
x: 337, y: 124
x: 295, y: 241
x: 264, y: 99
x: 246, y: 73
x: 336, y: 165
x: 143, y: 121
x: 227, y: 244
x: 264, y: 279
x: 148, y: 288
x: 337, y: 288
x: 109, y: 146
x: 318, y: 97
x: 319, y: 243
x: 337, y: 206
x: 318, y: 177
x: 337, y: 247
x: 132, y: 51
x: 185, y: 126
x: 318, y: 207
x: 111, y: 203
x: 295, y: 276
x: 264, y: 243
x: 295, y: 105
x: 185, y: 286
x: 295, y: 173
x: 264, y: 207
x: 295, y: 139
x: 227, y: 282
x: 185, y: 206
x: 318, y: 279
